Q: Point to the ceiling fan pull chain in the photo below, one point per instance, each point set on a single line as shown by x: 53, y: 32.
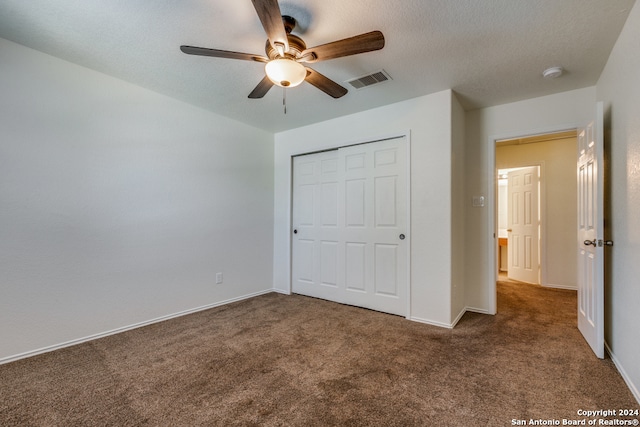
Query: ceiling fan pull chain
x: 284, y: 99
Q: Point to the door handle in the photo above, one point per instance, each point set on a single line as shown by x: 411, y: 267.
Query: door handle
x: 509, y: 230
x: 590, y: 242
x: 295, y: 231
x: 401, y: 237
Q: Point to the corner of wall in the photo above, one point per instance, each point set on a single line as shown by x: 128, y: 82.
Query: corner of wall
x: 457, y: 210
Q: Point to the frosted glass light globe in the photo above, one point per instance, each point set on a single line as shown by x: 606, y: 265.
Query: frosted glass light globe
x: 285, y: 72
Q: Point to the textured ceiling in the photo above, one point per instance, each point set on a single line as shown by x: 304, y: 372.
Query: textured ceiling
x: 489, y: 51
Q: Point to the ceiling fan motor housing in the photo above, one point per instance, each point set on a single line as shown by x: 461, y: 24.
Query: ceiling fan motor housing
x: 296, y: 47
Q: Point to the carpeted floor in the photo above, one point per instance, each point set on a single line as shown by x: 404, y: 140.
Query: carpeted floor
x: 281, y: 360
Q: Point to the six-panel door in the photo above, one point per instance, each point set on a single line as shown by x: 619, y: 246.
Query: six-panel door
x: 349, y: 241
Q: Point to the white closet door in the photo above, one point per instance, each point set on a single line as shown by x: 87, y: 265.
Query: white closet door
x: 350, y: 241
x: 315, y: 241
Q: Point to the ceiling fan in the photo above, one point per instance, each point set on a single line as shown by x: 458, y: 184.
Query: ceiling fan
x: 286, y: 53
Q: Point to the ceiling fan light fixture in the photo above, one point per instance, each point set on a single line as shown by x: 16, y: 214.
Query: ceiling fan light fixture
x: 285, y: 72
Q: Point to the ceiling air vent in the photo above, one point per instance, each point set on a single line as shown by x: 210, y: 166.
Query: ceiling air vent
x: 370, y: 79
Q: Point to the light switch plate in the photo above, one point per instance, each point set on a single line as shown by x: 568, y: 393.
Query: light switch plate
x: 478, y: 201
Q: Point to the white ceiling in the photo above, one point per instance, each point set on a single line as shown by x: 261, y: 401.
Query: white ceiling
x: 489, y: 51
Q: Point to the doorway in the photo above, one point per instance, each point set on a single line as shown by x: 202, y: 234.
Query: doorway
x: 554, y: 155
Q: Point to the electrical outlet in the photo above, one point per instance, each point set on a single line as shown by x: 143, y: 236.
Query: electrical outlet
x: 218, y: 278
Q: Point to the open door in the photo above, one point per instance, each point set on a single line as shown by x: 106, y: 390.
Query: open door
x: 523, y: 222
x: 590, y: 171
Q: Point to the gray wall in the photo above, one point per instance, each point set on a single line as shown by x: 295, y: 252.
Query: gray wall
x: 118, y: 205
x: 619, y: 88
x: 428, y: 120
x: 534, y: 116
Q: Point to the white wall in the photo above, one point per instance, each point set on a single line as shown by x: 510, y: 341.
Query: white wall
x: 619, y: 88
x: 119, y: 205
x: 559, y: 188
x: 534, y: 116
x: 428, y: 119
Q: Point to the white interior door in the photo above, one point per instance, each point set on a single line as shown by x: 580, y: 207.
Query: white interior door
x: 315, y: 216
x: 523, y: 225
x: 590, y: 233
x: 350, y: 236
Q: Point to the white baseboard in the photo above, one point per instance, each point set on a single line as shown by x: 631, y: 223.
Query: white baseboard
x: 452, y: 324
x: 623, y: 373
x: 457, y: 319
x: 431, y: 322
x: 477, y: 310
x: 551, y: 285
x: 128, y: 328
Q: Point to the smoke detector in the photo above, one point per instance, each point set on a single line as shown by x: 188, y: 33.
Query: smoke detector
x: 552, y: 72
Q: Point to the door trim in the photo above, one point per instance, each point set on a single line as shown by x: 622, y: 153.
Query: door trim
x: 406, y: 136
x: 492, y: 214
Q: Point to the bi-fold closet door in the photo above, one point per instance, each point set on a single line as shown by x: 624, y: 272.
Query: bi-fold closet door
x: 350, y: 225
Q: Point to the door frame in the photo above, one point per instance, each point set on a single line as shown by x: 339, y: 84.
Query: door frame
x: 492, y: 214
x: 542, y: 206
x: 406, y: 136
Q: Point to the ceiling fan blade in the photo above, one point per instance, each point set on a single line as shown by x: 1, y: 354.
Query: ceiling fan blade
x: 366, y: 42
x: 217, y: 53
x: 262, y: 88
x: 269, y: 13
x: 325, y: 84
